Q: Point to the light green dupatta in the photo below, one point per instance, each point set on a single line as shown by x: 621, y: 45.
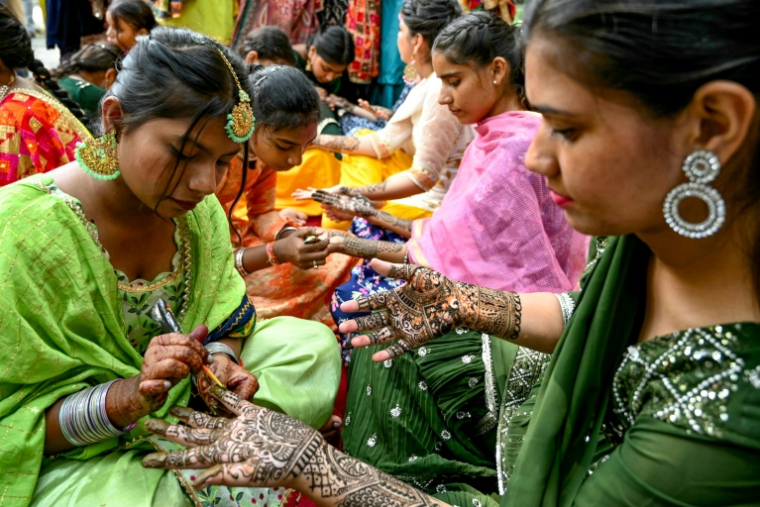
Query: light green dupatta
x: 563, y: 434
x: 61, y: 324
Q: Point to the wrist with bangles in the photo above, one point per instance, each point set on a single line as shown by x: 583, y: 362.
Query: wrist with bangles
x: 221, y: 348
x: 83, y: 418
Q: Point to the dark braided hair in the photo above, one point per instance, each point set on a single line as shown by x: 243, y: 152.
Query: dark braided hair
x: 477, y: 38
x: 91, y: 58
x: 44, y: 78
x: 333, y: 44
x: 429, y: 17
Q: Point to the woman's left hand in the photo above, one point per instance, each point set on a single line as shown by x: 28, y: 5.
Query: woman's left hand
x: 258, y: 448
x: 237, y: 379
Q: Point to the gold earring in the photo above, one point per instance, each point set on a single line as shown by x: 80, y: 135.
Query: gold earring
x: 308, y: 64
x: 97, y: 157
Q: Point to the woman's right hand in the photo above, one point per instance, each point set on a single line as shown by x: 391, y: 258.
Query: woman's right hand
x: 380, y: 112
x: 168, y: 359
x: 295, y: 250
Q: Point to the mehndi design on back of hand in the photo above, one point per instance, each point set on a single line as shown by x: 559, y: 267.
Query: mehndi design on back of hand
x: 430, y: 305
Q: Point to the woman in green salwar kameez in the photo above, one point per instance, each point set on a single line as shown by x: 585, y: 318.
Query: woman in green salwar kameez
x: 652, y: 395
x: 89, y: 248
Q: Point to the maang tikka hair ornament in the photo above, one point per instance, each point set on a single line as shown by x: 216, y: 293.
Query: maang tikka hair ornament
x: 701, y: 167
x: 97, y: 157
x: 241, y: 122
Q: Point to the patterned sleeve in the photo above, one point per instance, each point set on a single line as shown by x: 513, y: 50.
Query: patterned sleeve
x: 440, y: 131
x: 390, y: 138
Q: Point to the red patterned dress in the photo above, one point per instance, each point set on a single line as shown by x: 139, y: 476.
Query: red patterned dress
x: 37, y: 134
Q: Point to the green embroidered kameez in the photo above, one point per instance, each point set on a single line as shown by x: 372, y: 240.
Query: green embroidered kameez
x: 66, y: 325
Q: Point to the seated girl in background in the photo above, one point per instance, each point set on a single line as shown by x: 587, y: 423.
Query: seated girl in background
x: 325, y: 57
x: 266, y: 46
x: 88, y: 74
x: 414, y: 159
x: 126, y: 20
x: 284, y: 274
x: 88, y: 249
x: 269, y: 45
x: 40, y: 133
x: 497, y: 227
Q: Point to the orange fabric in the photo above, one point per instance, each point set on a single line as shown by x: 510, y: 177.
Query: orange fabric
x: 283, y: 289
x: 37, y: 134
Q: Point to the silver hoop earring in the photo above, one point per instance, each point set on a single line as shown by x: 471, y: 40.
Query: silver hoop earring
x: 701, y: 167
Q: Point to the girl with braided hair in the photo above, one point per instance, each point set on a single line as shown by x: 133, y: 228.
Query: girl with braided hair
x: 41, y: 125
x: 88, y: 74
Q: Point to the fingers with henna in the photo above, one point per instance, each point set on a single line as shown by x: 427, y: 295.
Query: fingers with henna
x: 243, y: 386
x: 373, y: 321
x: 383, y: 335
x: 189, y: 437
x: 232, y: 401
x: 198, y: 419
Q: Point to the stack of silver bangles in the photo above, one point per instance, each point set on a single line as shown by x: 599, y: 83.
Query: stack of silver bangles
x: 567, y: 304
x: 83, y: 418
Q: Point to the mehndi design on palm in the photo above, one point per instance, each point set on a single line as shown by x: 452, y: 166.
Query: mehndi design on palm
x: 430, y: 305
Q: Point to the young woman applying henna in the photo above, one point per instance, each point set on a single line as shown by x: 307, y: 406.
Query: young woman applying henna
x: 417, y: 154
x: 651, y: 396
x: 285, y: 272
x: 89, y: 248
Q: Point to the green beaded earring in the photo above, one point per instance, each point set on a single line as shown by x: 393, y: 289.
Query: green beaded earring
x: 241, y: 122
x: 97, y: 157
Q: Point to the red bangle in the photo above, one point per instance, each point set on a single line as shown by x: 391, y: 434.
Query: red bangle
x: 271, y: 257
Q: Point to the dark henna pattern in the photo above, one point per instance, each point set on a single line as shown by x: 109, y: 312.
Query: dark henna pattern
x: 341, y: 144
x: 355, y: 203
x: 430, y: 305
x: 394, y: 221
x: 269, y: 449
x: 368, y: 248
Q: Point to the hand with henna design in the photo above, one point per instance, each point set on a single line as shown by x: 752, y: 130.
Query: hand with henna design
x: 428, y: 306
x: 262, y: 448
x: 168, y: 359
x: 354, y: 205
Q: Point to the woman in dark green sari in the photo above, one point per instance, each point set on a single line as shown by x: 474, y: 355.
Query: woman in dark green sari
x: 652, y: 396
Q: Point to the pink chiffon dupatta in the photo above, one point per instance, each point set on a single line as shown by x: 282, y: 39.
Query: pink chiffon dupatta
x: 498, y: 226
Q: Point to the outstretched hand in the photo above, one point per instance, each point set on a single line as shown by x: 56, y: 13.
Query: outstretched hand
x: 354, y: 205
x: 429, y: 305
x: 258, y: 448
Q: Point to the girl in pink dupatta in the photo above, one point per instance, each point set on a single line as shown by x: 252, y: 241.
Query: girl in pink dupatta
x: 434, y: 417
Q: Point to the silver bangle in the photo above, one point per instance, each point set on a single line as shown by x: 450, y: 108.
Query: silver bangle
x: 567, y: 304
x: 83, y: 418
x: 239, y: 261
x: 283, y: 231
x: 221, y: 348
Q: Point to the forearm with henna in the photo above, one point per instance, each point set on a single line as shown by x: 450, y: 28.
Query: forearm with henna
x: 341, y: 144
x: 398, y: 225
x: 333, y: 479
x: 371, y: 249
